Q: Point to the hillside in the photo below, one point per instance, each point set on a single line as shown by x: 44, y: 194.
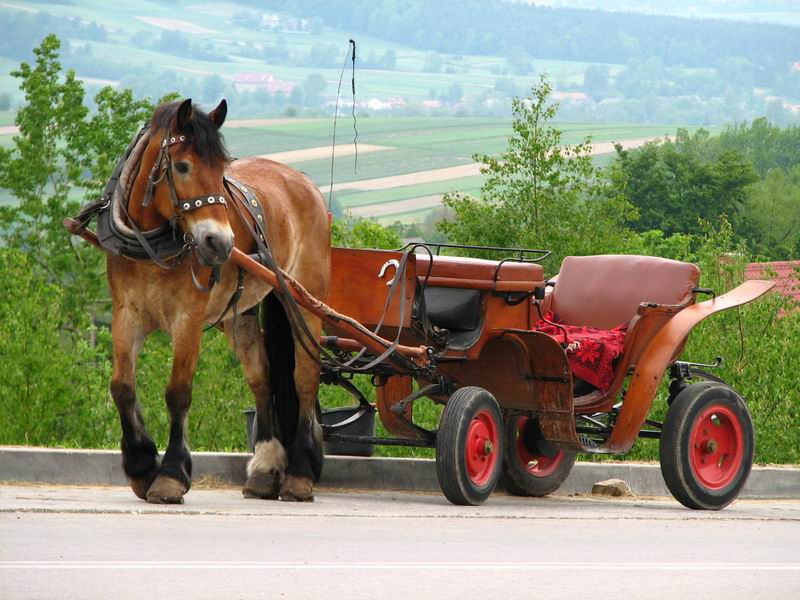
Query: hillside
x: 277, y: 56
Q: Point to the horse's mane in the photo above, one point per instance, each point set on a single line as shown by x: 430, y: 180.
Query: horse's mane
x: 201, y: 132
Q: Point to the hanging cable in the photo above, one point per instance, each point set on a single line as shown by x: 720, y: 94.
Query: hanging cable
x: 351, y: 55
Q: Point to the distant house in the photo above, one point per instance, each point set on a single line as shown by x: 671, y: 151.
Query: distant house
x: 431, y: 103
x: 574, y: 96
x: 785, y: 274
x: 377, y: 104
x: 250, y: 82
x: 796, y: 67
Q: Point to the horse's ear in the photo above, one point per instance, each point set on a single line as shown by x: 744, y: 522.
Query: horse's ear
x: 218, y: 115
x: 184, y: 114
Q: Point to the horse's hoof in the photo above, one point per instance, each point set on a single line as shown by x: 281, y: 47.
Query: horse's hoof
x: 140, y: 485
x: 263, y: 486
x: 166, y: 490
x: 297, y: 489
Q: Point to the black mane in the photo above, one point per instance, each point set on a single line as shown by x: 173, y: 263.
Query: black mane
x: 199, y: 131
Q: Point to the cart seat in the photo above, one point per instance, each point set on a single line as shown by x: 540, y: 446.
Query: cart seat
x: 453, y: 309
x: 605, y: 291
x: 477, y: 273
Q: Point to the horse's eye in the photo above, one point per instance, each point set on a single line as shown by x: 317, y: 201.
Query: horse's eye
x: 182, y: 168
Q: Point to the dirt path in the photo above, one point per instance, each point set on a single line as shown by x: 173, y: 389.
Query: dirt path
x: 293, y: 156
x: 175, y: 25
x: 230, y: 124
x: 382, y: 183
x: 393, y: 208
x: 18, y: 7
x: 412, y: 204
x: 241, y: 123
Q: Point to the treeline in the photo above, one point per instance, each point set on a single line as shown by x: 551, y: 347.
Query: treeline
x: 478, y: 27
x: 749, y: 174
x: 19, y: 28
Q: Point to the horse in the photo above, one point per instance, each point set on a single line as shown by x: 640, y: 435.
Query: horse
x: 183, y: 167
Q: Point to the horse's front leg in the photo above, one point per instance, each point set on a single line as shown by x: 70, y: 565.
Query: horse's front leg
x: 139, y: 453
x: 175, y: 474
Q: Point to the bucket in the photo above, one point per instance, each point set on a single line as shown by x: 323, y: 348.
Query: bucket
x: 362, y: 426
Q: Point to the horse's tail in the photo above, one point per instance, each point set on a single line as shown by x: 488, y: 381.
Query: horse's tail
x: 279, y: 344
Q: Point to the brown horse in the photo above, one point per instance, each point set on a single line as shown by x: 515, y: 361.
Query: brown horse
x: 283, y: 378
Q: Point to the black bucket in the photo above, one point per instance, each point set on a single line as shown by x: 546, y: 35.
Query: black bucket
x: 365, y: 425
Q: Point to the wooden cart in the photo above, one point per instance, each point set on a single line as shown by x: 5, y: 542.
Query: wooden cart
x: 463, y: 330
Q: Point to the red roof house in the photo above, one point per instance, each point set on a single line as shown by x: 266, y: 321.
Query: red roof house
x: 785, y: 274
x: 250, y: 82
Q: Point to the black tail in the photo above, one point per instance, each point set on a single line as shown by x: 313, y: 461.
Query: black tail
x: 279, y: 344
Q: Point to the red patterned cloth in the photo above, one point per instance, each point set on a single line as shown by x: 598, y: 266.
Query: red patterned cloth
x: 590, y: 351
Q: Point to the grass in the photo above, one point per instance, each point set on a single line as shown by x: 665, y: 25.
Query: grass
x: 355, y: 199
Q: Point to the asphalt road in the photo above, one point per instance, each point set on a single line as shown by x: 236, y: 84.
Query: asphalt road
x: 89, y: 542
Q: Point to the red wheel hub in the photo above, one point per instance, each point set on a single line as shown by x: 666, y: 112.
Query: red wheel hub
x: 717, y: 448
x: 481, y: 447
x: 537, y: 465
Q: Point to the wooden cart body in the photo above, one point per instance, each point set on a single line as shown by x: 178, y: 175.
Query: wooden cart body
x: 527, y: 371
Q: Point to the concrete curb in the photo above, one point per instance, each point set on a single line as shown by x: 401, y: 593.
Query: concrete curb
x: 104, y: 467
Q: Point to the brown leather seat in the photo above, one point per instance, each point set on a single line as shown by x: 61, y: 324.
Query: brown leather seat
x: 450, y: 270
x: 605, y: 291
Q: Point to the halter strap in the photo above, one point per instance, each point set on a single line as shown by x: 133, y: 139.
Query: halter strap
x: 162, y: 167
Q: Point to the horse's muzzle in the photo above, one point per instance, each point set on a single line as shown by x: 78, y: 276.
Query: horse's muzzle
x: 214, y: 248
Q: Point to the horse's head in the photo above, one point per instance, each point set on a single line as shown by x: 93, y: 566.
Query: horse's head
x: 189, y: 167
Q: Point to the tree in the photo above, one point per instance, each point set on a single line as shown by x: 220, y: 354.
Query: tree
x: 772, y: 215
x: 363, y: 233
x: 595, y: 81
x: 433, y: 63
x: 212, y: 89
x: 46, y: 159
x: 313, y: 87
x: 764, y: 144
x: 675, y: 184
x: 538, y: 192
x: 48, y: 162
x: 389, y: 60
x: 454, y: 93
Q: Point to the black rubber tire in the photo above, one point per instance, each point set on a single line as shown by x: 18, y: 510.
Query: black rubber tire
x: 518, y: 480
x: 675, y: 446
x: 451, y: 446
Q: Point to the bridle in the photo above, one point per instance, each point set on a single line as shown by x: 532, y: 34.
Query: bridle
x: 162, y: 168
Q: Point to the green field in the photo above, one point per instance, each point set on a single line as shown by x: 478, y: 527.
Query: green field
x: 418, y: 144
x: 414, y: 144
x: 476, y: 74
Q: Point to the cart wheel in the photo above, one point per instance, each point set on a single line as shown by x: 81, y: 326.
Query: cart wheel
x: 707, y: 445
x: 532, y: 467
x: 469, y: 449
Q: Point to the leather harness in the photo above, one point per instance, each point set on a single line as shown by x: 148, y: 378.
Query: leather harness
x: 121, y: 236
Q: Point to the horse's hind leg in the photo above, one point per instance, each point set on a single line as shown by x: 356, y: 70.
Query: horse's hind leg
x: 265, y: 471
x: 305, y: 463
x: 175, y: 473
x: 139, y: 453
